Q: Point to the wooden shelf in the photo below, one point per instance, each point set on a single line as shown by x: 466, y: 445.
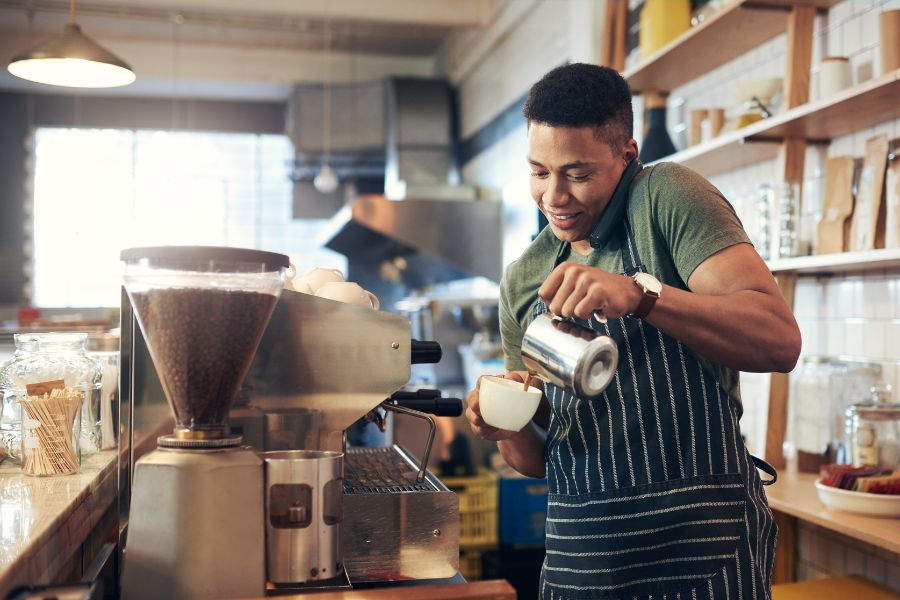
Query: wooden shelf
x: 724, y: 36
x: 868, y: 260
x: 864, y: 105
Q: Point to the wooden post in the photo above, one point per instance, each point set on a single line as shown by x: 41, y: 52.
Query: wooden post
x: 778, y: 390
x: 615, y: 22
x: 799, y: 55
x: 791, y: 159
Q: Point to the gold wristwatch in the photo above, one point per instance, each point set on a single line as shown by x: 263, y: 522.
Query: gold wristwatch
x: 651, y: 288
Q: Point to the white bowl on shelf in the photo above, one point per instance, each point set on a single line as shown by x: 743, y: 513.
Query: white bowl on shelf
x: 872, y: 505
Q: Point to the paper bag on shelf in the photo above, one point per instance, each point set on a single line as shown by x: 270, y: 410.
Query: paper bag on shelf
x: 892, y: 203
x: 838, y: 207
x: 867, y: 232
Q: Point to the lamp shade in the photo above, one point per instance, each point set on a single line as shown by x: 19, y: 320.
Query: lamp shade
x: 326, y: 181
x: 71, y: 59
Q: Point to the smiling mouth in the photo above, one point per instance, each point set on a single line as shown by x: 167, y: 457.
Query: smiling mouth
x: 562, y: 220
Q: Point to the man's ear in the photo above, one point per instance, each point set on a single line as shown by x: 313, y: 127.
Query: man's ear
x: 630, y: 151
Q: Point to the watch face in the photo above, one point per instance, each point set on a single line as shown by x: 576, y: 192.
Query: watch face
x: 649, y: 282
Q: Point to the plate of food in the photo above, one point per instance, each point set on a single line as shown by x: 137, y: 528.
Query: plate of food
x: 863, y: 490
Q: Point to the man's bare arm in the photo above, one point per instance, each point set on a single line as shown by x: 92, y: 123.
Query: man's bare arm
x: 734, y: 313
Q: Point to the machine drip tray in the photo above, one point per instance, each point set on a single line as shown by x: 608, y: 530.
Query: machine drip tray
x: 396, y: 528
x: 338, y: 583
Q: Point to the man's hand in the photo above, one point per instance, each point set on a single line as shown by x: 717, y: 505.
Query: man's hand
x: 579, y: 290
x: 522, y: 450
x: 473, y: 414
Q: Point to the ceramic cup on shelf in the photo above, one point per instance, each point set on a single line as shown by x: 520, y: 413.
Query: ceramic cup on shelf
x: 698, y: 116
x: 889, y: 28
x: 834, y: 75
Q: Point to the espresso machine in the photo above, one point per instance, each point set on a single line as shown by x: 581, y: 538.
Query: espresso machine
x: 203, y: 326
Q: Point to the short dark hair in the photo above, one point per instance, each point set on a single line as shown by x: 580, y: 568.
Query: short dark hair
x: 583, y: 95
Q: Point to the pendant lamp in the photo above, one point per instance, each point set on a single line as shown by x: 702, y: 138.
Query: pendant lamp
x: 327, y: 180
x: 71, y: 59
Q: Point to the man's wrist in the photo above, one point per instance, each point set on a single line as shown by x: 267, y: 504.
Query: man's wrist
x: 635, y: 294
x: 650, y: 290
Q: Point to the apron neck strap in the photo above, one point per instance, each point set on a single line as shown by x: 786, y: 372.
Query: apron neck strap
x: 631, y: 258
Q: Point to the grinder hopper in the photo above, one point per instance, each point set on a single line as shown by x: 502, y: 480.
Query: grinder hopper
x: 203, y: 311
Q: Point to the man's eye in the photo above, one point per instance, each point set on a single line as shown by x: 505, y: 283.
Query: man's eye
x: 575, y: 177
x: 540, y: 174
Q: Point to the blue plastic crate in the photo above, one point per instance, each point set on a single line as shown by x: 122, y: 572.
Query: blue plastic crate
x: 523, y: 510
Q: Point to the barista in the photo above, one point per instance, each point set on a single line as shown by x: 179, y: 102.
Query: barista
x: 652, y: 491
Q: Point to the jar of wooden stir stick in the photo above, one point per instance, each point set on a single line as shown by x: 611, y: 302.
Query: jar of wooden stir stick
x: 51, y: 423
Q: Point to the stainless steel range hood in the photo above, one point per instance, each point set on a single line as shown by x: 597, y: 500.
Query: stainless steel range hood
x: 426, y: 228
x: 419, y: 242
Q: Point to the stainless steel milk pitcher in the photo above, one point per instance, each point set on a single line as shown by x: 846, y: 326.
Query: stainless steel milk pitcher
x: 570, y: 356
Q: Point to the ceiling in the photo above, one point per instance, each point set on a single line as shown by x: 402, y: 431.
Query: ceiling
x: 257, y: 47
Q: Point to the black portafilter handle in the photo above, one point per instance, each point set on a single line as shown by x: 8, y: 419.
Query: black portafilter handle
x: 425, y: 352
x: 428, y: 401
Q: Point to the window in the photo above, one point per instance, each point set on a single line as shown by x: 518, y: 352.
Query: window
x: 98, y: 191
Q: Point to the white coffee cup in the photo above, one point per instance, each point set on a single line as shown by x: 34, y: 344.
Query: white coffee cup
x: 313, y: 279
x: 349, y: 292
x: 505, y: 405
x: 834, y: 75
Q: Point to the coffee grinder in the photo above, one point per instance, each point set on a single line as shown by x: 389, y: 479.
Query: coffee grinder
x: 197, y: 524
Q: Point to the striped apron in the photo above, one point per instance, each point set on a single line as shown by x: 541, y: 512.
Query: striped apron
x: 653, y: 494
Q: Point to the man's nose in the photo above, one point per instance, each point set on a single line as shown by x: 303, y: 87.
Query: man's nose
x: 556, y: 193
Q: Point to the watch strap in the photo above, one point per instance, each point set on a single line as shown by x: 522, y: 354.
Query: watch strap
x: 644, y: 306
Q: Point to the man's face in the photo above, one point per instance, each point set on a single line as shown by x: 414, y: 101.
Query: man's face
x: 573, y: 176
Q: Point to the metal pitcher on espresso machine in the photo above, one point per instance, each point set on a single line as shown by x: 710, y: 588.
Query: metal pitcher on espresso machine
x: 221, y: 506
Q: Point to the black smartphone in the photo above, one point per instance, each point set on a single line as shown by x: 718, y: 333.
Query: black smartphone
x: 615, y: 211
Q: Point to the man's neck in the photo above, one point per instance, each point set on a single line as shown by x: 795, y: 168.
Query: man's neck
x: 582, y: 247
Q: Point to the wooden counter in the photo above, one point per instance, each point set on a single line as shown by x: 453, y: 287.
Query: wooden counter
x: 794, y: 494
x: 45, y: 520
x: 497, y: 589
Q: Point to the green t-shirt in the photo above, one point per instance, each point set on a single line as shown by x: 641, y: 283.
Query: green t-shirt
x: 679, y: 220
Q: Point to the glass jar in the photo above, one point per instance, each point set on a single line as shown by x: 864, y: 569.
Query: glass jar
x: 873, y: 431
x: 762, y: 235
x: 104, y: 348
x: 787, y: 226
x: 822, y: 389
x: 48, y: 357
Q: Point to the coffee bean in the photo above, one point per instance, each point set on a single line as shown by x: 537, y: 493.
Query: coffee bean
x: 202, y: 342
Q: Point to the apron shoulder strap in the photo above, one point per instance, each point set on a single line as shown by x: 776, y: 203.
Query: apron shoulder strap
x: 631, y: 258
x: 765, y: 468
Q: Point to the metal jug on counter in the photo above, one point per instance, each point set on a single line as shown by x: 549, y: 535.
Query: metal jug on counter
x: 573, y: 357
x: 304, y: 510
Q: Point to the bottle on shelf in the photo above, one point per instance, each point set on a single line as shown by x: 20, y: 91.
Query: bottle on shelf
x: 657, y: 143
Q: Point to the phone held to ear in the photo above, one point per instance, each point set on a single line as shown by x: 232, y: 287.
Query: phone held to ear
x: 615, y: 211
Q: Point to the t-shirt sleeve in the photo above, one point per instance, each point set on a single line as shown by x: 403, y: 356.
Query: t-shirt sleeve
x: 694, y: 218
x: 511, y: 332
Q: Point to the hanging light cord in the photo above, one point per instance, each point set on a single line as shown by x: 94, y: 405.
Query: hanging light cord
x: 326, y: 97
x: 71, y: 12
